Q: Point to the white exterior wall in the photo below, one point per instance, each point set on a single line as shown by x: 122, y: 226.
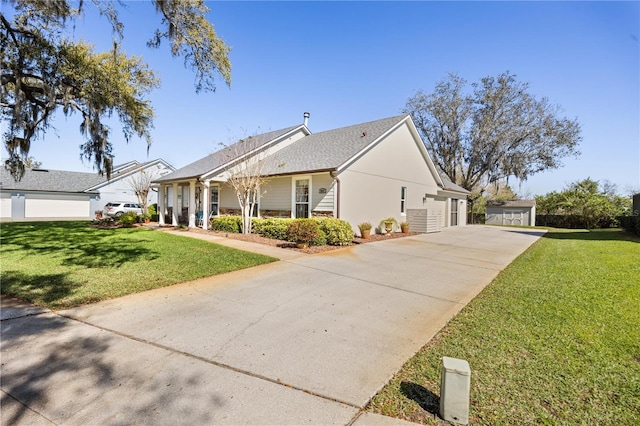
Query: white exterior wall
x: 5, y: 205
x: 277, y: 194
x: 370, y: 187
x: 462, y: 207
x: 323, y: 202
x: 56, y: 206
x: 119, y: 187
x: 227, y: 196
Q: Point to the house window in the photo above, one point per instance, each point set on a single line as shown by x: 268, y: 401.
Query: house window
x: 302, y: 198
x: 403, y: 200
x: 214, y: 201
x: 454, y: 212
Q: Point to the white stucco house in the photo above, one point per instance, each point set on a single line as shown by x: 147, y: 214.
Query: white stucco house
x: 44, y: 194
x: 360, y: 173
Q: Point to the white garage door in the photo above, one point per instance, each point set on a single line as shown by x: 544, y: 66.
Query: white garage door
x: 513, y: 217
x: 5, y: 205
x: 56, y: 206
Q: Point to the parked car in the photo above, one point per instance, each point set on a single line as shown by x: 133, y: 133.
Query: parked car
x: 117, y: 208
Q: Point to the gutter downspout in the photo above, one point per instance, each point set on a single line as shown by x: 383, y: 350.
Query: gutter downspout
x: 334, y: 175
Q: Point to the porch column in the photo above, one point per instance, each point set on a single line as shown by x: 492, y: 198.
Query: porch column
x: 161, y: 204
x: 192, y: 204
x: 174, y: 210
x: 206, y: 204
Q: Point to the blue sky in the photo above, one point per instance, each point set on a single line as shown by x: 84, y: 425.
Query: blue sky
x: 351, y: 62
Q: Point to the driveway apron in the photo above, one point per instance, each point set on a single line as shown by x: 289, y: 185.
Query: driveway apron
x: 306, y: 340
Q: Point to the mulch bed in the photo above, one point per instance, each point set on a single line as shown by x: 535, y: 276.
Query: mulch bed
x: 292, y: 246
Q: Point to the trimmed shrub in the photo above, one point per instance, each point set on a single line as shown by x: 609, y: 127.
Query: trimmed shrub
x: 573, y: 221
x: 303, y: 231
x: 338, y: 232
x: 227, y: 224
x: 128, y: 219
x: 275, y: 228
x: 152, y: 209
x: 320, y: 240
x: 631, y: 224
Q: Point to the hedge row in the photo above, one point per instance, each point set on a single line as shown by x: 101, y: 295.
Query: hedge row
x: 630, y: 224
x: 575, y: 221
x: 334, y: 232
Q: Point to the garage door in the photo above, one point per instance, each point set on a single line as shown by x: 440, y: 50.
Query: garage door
x: 56, y: 206
x: 5, y: 205
x: 513, y: 217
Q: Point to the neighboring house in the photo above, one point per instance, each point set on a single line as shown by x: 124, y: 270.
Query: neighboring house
x: 118, y: 188
x: 360, y: 173
x: 44, y: 194
x: 514, y: 212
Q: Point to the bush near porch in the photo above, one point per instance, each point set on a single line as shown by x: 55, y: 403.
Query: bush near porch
x: 334, y: 232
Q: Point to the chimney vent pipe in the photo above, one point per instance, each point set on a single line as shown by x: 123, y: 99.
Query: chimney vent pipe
x: 306, y: 118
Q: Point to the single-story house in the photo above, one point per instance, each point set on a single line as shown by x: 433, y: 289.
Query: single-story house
x: 44, y: 194
x: 360, y: 173
x: 512, y: 212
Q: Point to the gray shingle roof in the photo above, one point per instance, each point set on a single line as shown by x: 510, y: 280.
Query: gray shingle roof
x: 511, y: 203
x: 329, y: 149
x: 450, y: 186
x: 50, y: 180
x: 221, y: 157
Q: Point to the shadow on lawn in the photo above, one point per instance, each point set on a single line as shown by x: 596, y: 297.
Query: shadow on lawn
x: 76, y: 243
x: 428, y: 401
x: 591, y: 235
x: 43, y: 289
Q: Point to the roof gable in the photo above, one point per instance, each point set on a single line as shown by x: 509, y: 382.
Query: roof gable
x: 330, y: 149
x: 132, y: 168
x: 225, y: 156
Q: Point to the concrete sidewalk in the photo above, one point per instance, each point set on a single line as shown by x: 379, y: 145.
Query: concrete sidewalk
x: 308, y: 340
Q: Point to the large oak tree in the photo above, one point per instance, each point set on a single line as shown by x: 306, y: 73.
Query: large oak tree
x: 493, y: 131
x: 44, y: 71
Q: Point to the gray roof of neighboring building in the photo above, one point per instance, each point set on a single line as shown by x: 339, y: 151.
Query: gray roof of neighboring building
x: 50, y: 180
x: 221, y: 157
x: 511, y: 203
x: 330, y: 149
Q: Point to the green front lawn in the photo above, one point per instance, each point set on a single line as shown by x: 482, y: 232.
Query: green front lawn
x: 64, y: 264
x: 555, y: 339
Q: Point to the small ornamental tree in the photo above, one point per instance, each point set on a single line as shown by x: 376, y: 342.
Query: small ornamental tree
x: 247, y: 176
x: 140, y: 184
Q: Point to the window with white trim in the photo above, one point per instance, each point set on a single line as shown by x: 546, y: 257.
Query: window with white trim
x: 213, y: 210
x: 302, y: 197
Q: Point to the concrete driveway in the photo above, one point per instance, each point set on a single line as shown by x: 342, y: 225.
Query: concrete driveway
x: 307, y: 340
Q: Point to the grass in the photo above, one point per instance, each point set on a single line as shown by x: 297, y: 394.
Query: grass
x: 63, y: 264
x: 554, y: 339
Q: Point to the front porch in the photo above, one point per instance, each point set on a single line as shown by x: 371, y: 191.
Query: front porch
x: 194, y: 202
